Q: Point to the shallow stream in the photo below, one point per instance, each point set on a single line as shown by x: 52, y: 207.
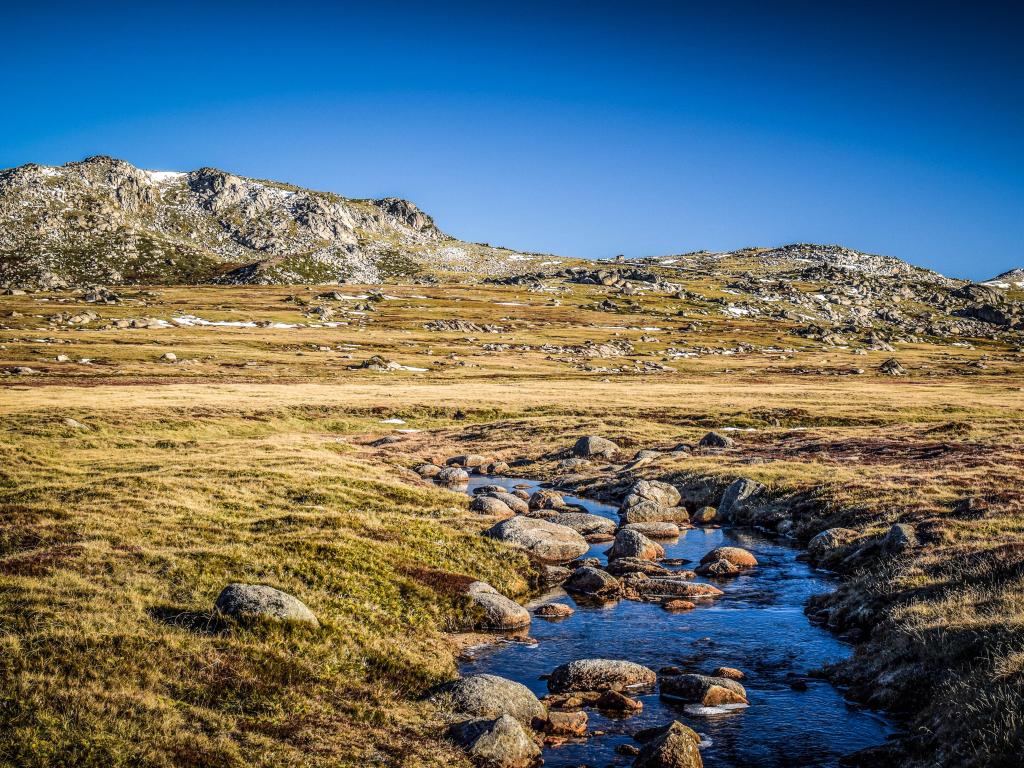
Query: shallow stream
x: 758, y: 626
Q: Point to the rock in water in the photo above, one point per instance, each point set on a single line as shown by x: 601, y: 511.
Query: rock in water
x: 499, y: 611
x: 586, y: 524
x: 662, y: 494
x: 735, y: 555
x: 599, y: 675
x: 632, y: 543
x: 258, y: 601
x: 594, y: 446
x: 501, y: 743
x: 704, y: 690
x: 491, y: 696
x: 546, y: 541
x: 452, y: 476
x: 675, y: 747
x: 554, y: 611
x: 592, y: 581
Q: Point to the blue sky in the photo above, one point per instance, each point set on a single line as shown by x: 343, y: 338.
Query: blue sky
x: 579, y: 129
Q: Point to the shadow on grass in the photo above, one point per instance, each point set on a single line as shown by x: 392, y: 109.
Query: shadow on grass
x: 199, y: 622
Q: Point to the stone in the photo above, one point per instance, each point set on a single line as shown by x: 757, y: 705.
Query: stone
x: 586, y: 525
x: 718, y: 568
x: 494, y: 468
x: 741, y: 492
x: 553, y: 575
x: 715, y: 440
x: 678, y: 605
x: 829, y: 541
x: 500, y: 743
x: 567, y: 723
x: 892, y: 367
x: 592, y: 582
x: 675, y: 747
x: 623, y: 565
x: 704, y: 516
x: 662, y: 494
x: 500, y: 613
x: 730, y: 672
x: 489, y: 697
x: 426, y: 470
x: 615, y: 701
x: 638, y: 586
x: 452, y: 476
x: 548, y: 542
x: 168, y: 357
x: 466, y: 460
x: 900, y: 538
x: 649, y: 512
x: 489, y: 505
x: 735, y: 555
x: 654, y: 530
x: 245, y: 602
x: 705, y: 690
x: 510, y: 500
x: 545, y: 498
x: 554, y: 611
x: 631, y: 543
x: 599, y: 675
x: 593, y: 445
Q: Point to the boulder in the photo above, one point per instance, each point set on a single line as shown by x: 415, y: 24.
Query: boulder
x: 452, y: 476
x: 715, y: 440
x: 489, y: 697
x: 489, y: 505
x: 678, y: 605
x: 620, y: 703
x: 499, y: 612
x: 500, y: 743
x: 258, y: 601
x: 735, y: 555
x: 599, y: 675
x: 631, y: 543
x: 513, y: 502
x: 639, y: 586
x: 899, y: 539
x: 554, y: 611
x: 741, y: 492
x: 553, y: 575
x: 545, y: 498
x: 586, y: 525
x: 566, y: 724
x: 719, y: 568
x: 703, y: 689
x: 649, y: 512
x: 730, y: 672
x: 494, y: 468
x: 704, y: 516
x: 674, y: 747
x: 546, y: 541
x: 826, y: 543
x: 623, y: 565
x: 654, y: 530
x: 593, y: 582
x: 466, y: 460
x: 697, y: 492
x: 592, y: 445
x: 661, y: 494
x: 427, y: 470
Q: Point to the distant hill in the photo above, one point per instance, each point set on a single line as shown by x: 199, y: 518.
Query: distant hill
x: 103, y: 220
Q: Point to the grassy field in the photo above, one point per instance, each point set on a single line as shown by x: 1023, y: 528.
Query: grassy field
x: 249, y: 458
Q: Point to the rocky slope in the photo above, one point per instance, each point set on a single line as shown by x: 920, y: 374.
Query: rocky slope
x: 103, y: 220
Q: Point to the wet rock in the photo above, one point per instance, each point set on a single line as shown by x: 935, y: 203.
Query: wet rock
x: 619, y: 703
x: 655, y: 530
x: 657, y: 492
x: 258, y: 601
x: 624, y: 565
x: 500, y: 613
x: 675, y: 747
x: 546, y: 541
x: 592, y: 582
x: 489, y: 505
x: 554, y: 611
x: 593, y: 445
x: 704, y: 690
x: 627, y: 749
x: 735, y: 555
x: 715, y: 440
x: 718, y: 568
x: 566, y: 723
x: 489, y: 697
x: 638, y: 586
x: 828, y: 542
x: 500, y: 743
x: 452, y: 476
x: 599, y: 675
x: 586, y: 525
x: 649, y: 512
x: 631, y: 543
x: 740, y: 493
x: 704, y: 516
x: 678, y: 605
x: 730, y: 672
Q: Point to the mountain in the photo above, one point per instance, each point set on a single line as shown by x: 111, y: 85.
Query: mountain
x: 1012, y: 278
x: 105, y: 221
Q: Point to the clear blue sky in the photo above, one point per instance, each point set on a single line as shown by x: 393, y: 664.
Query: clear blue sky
x: 580, y: 129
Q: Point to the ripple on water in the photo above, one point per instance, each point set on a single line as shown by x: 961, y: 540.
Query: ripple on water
x: 758, y: 626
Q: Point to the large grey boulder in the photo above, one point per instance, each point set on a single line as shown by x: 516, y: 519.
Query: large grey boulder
x: 592, y: 445
x: 631, y: 543
x: 741, y: 492
x: 599, y: 675
x: 500, y: 743
x: 704, y: 690
x: 452, y: 476
x: 674, y: 747
x: 258, y: 601
x: 585, y: 524
x: 491, y: 696
x: 650, y: 512
x: 828, y: 542
x: 662, y: 494
x: 592, y: 581
x: 513, y: 502
x: 499, y: 611
x: 546, y: 541
x: 715, y: 440
x: 654, y: 530
x: 489, y: 505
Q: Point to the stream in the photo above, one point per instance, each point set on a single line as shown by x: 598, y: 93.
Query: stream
x: 758, y: 626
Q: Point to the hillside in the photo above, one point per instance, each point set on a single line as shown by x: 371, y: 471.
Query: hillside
x: 105, y: 221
